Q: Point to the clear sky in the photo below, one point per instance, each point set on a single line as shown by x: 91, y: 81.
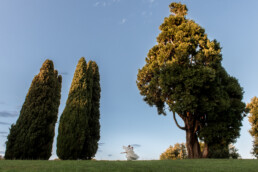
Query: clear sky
x: 117, y: 34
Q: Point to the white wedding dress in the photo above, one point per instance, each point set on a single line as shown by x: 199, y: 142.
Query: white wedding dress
x: 130, y: 155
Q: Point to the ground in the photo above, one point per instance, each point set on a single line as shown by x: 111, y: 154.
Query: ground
x: 199, y: 165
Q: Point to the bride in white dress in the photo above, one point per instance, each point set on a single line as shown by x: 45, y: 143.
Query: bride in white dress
x: 130, y: 155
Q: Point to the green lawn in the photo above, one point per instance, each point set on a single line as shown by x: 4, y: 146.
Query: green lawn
x: 159, y: 166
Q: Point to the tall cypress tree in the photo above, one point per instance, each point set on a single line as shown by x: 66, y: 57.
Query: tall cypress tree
x: 32, y: 135
x: 86, y: 149
x: 73, y: 127
x: 95, y: 111
x: 91, y: 146
x: 79, y: 127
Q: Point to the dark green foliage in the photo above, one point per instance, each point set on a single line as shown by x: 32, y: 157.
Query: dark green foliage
x: 218, y: 151
x: 91, y: 146
x: 221, y: 151
x: 32, y: 135
x: 184, y: 72
x: 73, y: 123
x: 95, y: 111
x: 222, y: 126
x: 79, y: 126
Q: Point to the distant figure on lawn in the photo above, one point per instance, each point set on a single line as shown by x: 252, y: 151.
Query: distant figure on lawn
x: 130, y: 155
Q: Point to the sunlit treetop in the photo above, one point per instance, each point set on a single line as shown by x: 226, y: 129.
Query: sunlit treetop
x: 180, y: 65
x: 178, y: 9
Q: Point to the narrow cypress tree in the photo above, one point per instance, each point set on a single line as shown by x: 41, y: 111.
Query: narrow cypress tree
x: 91, y: 146
x: 79, y: 127
x: 32, y: 135
x: 86, y: 149
x: 73, y: 127
x: 95, y: 111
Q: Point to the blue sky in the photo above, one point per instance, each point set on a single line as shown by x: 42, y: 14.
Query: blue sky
x: 117, y: 34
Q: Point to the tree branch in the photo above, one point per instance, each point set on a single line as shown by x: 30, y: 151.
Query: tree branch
x: 174, y: 116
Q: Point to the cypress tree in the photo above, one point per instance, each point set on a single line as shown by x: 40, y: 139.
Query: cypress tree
x: 73, y: 127
x: 91, y: 146
x: 95, y: 111
x: 32, y: 135
x: 79, y: 127
x: 87, y: 145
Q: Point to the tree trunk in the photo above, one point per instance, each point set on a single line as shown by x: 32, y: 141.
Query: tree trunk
x: 193, y: 147
x: 191, y: 127
x: 192, y: 144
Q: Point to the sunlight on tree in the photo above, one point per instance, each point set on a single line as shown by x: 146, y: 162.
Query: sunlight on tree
x: 178, y: 151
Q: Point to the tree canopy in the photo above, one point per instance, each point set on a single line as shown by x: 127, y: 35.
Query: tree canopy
x: 184, y: 72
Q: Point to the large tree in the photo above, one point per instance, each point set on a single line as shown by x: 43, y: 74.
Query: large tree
x: 253, y: 119
x: 79, y: 126
x: 183, y: 71
x: 32, y: 135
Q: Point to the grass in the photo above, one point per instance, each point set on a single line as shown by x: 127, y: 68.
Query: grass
x: 199, y: 165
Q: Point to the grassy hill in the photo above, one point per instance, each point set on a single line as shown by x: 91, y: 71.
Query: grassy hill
x: 159, y: 166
